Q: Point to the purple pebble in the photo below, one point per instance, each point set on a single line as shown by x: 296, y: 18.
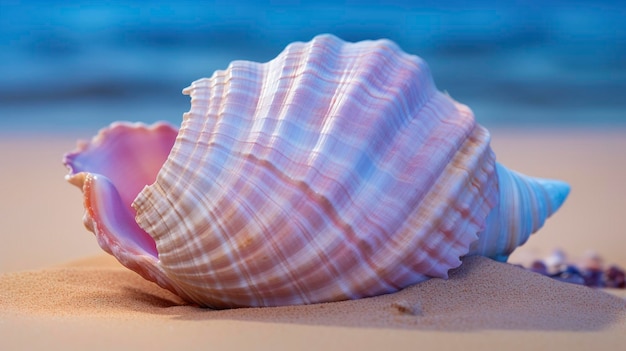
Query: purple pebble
x: 539, y: 267
x: 616, y: 278
x: 594, y: 278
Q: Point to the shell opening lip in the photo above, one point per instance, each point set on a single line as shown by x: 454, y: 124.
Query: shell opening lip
x: 111, y: 170
x: 114, y: 221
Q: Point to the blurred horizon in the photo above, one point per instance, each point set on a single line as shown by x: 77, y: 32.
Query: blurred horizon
x: 76, y: 65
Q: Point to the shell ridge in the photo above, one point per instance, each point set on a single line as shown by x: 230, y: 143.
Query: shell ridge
x: 279, y: 174
x: 173, y: 172
x: 288, y: 280
x: 282, y: 273
x: 379, y: 275
x: 305, y: 74
x: 238, y: 265
x: 204, y: 275
x: 424, y: 260
x: 482, y: 199
x: 220, y: 119
x: 388, y: 197
x: 304, y: 191
x: 486, y: 198
x: 230, y: 239
x: 369, y: 157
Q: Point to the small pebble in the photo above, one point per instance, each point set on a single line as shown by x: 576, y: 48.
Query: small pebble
x: 405, y: 307
x: 539, y: 267
x: 616, y: 278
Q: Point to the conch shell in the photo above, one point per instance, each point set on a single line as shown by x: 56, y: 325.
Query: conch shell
x: 334, y: 171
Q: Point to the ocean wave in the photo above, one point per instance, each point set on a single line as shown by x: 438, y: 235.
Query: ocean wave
x: 553, y: 58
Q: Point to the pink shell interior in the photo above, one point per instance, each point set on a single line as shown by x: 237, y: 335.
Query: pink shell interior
x: 111, y: 170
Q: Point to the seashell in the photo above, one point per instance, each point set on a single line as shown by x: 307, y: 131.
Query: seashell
x: 334, y: 171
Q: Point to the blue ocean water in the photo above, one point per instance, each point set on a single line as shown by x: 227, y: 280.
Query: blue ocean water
x: 75, y: 65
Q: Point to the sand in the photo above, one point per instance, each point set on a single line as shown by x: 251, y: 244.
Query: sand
x: 60, y: 292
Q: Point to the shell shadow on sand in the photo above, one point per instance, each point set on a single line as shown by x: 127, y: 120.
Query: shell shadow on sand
x: 480, y: 295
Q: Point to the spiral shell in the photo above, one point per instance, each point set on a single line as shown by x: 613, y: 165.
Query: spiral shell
x: 335, y: 171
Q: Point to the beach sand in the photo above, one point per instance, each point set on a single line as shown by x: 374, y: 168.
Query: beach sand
x: 59, y: 291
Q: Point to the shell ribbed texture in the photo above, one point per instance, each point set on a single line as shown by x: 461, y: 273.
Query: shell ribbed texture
x: 524, y: 205
x: 334, y: 171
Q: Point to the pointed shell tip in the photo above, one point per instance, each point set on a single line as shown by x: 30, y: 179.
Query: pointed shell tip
x: 557, y: 191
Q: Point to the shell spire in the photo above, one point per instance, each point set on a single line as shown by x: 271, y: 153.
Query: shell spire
x: 523, y: 206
